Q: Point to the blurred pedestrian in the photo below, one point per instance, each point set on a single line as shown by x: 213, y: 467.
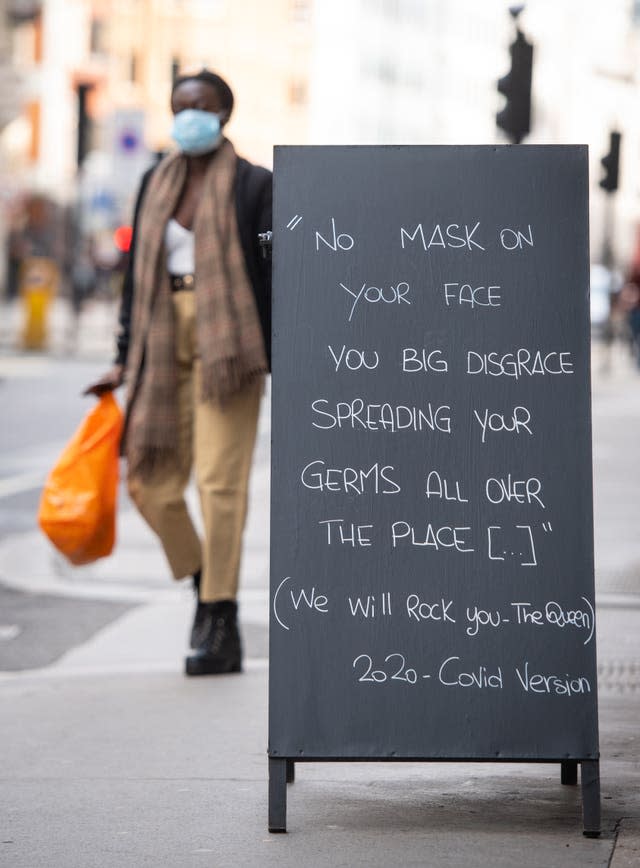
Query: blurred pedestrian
x: 41, y: 256
x: 629, y: 303
x: 193, y: 347
x: 82, y: 280
x: 15, y: 254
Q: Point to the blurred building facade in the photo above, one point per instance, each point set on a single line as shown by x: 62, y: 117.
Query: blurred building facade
x: 586, y: 84
x: 407, y: 71
x: 121, y: 56
x: 262, y: 49
x: 14, y: 101
x: 97, y: 75
x: 425, y: 71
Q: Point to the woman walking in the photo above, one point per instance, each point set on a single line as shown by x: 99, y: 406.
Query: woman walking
x: 193, y: 348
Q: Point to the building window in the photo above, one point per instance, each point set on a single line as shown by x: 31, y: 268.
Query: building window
x: 382, y: 70
x: 405, y: 11
x: 20, y: 11
x: 206, y: 8
x: 300, y: 11
x: 97, y: 37
x: 298, y: 93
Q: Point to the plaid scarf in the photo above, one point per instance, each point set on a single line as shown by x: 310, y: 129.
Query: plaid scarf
x: 229, y: 336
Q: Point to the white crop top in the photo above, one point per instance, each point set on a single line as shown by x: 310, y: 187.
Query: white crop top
x: 180, y: 246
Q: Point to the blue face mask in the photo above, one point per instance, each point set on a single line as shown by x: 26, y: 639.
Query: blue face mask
x: 196, y: 131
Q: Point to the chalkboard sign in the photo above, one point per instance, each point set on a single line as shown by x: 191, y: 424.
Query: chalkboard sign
x: 432, y: 591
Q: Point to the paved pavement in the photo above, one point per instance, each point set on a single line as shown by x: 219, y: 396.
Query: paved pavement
x: 113, y: 758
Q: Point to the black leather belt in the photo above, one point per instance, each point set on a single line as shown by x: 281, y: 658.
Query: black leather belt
x: 181, y: 281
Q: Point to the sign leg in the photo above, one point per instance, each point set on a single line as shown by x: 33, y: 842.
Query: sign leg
x: 569, y: 772
x: 590, y: 775
x: 291, y: 771
x: 277, y: 795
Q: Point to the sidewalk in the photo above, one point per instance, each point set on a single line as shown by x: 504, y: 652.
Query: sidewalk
x: 109, y: 766
x: 113, y: 758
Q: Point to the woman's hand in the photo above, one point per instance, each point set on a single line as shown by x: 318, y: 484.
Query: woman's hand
x: 107, y: 383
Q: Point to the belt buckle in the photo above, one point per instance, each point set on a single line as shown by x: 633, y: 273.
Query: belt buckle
x: 182, y: 281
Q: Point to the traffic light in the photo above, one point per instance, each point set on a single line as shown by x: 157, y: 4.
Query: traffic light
x: 122, y: 238
x: 515, y: 117
x: 611, y: 164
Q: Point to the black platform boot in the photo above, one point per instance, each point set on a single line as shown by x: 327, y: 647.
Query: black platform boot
x: 202, y: 617
x: 220, y: 651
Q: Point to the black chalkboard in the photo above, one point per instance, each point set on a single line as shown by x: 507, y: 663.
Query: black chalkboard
x: 432, y: 592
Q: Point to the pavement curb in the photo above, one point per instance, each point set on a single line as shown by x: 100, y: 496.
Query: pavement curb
x: 626, y: 850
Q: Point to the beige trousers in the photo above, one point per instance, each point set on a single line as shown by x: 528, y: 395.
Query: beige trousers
x: 217, y: 442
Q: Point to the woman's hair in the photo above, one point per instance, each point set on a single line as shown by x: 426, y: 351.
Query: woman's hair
x: 224, y: 91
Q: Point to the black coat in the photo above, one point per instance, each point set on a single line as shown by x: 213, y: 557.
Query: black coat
x: 253, y: 193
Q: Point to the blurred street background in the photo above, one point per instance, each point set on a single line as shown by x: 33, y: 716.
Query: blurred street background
x: 84, y: 110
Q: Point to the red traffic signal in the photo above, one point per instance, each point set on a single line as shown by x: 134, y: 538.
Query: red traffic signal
x: 515, y: 117
x: 122, y: 238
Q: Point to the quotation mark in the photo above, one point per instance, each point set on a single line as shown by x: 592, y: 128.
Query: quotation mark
x: 291, y: 225
x: 546, y: 526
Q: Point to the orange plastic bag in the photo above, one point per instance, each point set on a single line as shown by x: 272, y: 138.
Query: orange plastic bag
x: 78, y: 504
